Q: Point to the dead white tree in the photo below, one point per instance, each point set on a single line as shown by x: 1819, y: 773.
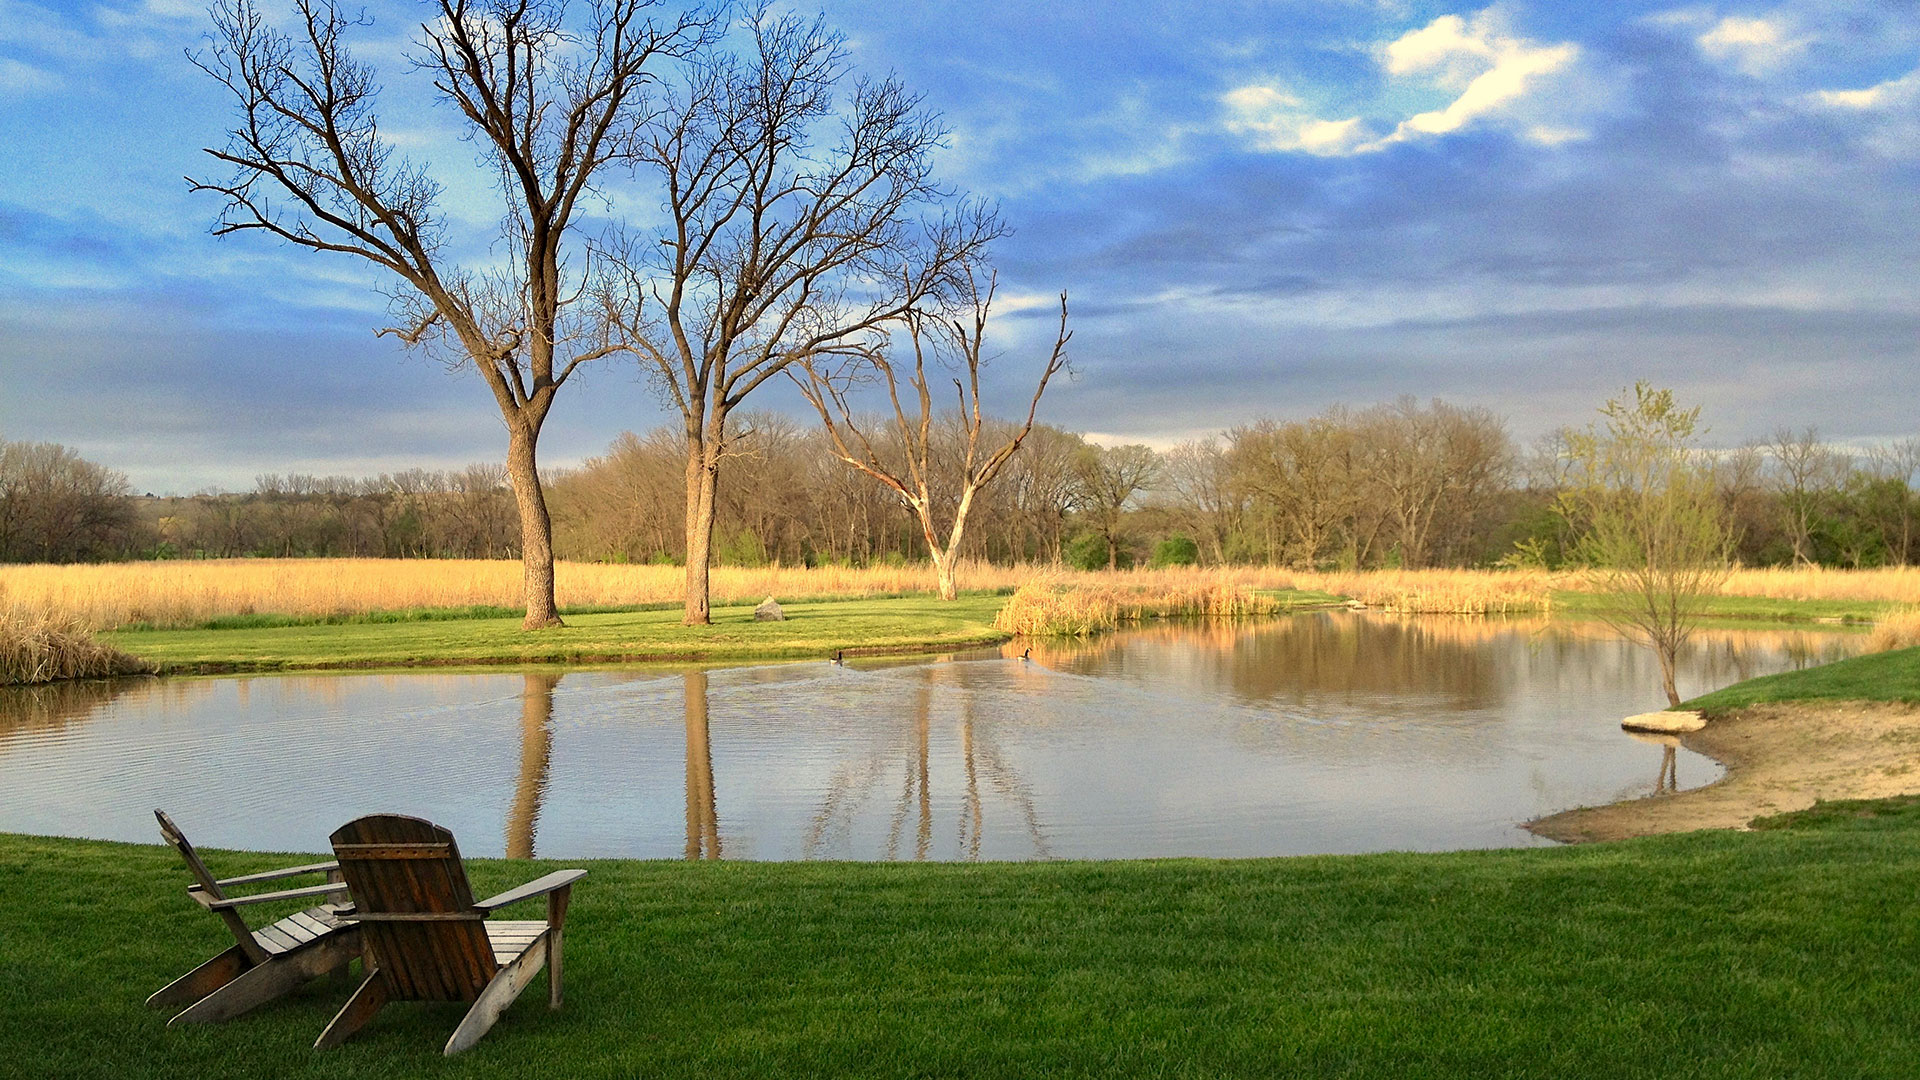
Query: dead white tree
x: 549, y: 97
x: 940, y: 494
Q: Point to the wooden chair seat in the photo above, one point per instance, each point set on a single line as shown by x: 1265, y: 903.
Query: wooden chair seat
x: 301, y: 928
x: 265, y: 963
x: 510, y: 938
x: 427, y: 938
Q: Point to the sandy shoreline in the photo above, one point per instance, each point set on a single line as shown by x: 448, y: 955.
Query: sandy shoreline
x: 1779, y: 757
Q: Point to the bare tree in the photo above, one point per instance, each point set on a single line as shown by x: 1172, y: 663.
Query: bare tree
x: 1199, y: 485
x: 789, y: 233
x: 1805, y: 466
x: 548, y: 100
x: 1304, y: 472
x: 1896, y: 462
x: 939, y: 502
x: 1109, y: 478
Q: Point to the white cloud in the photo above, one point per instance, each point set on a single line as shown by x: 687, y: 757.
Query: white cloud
x: 19, y: 80
x: 1279, y: 121
x: 1902, y: 90
x: 1752, y: 45
x: 1489, y: 71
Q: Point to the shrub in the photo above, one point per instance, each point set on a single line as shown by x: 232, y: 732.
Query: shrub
x: 1175, y: 550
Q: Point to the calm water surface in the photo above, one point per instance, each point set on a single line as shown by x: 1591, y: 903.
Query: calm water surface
x: 1330, y: 732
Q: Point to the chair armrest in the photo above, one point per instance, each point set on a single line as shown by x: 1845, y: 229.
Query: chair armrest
x: 275, y: 875
x: 266, y: 897
x: 559, y: 879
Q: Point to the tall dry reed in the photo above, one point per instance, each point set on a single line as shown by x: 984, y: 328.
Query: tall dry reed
x: 41, y: 646
x: 1445, y: 592
x: 190, y: 593
x: 1043, y: 608
x: 1896, y: 630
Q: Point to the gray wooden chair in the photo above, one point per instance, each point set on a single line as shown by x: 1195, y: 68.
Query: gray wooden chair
x: 428, y: 939
x: 262, y: 964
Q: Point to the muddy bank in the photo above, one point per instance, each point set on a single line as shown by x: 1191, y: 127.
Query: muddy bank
x: 1779, y: 757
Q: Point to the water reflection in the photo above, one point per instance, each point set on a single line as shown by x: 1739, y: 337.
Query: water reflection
x: 703, y: 817
x: 913, y: 759
x: 536, y: 757
x: 1331, y: 732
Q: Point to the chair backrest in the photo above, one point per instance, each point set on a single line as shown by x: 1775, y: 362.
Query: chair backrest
x: 209, y: 886
x: 415, y: 908
x: 198, y: 869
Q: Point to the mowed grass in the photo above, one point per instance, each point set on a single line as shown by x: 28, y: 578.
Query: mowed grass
x: 1791, y: 952
x: 1884, y: 676
x: 809, y: 630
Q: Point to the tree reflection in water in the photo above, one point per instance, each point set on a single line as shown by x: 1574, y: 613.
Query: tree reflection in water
x: 703, y: 818
x: 911, y: 757
x: 536, y: 753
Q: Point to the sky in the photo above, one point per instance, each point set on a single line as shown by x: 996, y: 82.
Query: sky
x: 1257, y: 209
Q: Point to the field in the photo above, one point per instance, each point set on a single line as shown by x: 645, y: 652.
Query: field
x: 1790, y: 951
x: 177, y: 595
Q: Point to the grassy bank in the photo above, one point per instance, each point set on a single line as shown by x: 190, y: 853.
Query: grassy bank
x: 1886, y: 676
x: 1790, y: 952
x: 811, y: 630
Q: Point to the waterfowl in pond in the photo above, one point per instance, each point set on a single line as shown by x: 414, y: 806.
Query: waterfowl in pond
x: 839, y: 656
x: 1028, y: 655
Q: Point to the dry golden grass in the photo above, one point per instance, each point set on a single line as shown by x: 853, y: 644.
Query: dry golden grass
x: 181, y: 594
x: 1897, y: 630
x: 1044, y: 607
x: 1892, y: 584
x: 37, y: 646
x: 1444, y: 592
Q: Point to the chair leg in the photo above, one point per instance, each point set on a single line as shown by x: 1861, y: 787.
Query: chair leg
x: 264, y: 982
x: 202, y: 980
x: 555, y: 940
x: 498, y: 995
x: 356, y: 1013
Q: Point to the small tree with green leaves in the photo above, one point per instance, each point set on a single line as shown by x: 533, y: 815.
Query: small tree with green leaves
x: 1653, y: 533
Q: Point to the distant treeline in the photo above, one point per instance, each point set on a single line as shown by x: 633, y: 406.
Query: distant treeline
x: 1396, y: 485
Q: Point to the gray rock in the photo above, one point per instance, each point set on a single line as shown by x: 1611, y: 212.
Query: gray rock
x: 768, y: 611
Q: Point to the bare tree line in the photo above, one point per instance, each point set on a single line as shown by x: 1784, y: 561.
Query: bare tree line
x: 1397, y: 484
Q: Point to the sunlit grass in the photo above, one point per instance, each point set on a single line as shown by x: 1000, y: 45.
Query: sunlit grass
x: 1788, y: 952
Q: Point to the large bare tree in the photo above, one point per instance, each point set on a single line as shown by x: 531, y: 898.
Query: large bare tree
x: 550, y: 94
x: 908, y: 461
x: 794, y: 192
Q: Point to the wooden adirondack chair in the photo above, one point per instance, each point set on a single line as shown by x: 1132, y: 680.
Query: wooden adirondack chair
x: 265, y: 963
x: 427, y: 938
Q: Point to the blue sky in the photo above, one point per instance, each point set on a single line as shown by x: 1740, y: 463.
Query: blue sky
x: 1259, y: 210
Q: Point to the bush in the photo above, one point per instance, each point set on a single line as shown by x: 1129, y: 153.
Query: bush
x: 1175, y: 550
x: 1088, y: 551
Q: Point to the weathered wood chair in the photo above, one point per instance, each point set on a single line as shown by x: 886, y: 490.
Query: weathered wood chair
x: 427, y: 938
x: 263, y: 964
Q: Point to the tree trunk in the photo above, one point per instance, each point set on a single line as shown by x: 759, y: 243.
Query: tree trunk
x: 703, y: 468
x: 1666, y: 654
x: 536, y: 531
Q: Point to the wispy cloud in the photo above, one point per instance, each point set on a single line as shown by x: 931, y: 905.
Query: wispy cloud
x: 1483, y: 70
x: 1904, y: 90
x: 1752, y: 45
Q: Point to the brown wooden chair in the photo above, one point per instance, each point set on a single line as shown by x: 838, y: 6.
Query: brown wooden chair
x: 427, y: 938
x: 263, y: 964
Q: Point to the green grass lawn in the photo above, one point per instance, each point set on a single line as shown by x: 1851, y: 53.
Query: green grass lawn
x: 1887, y: 676
x: 811, y: 629
x: 395, y: 639
x: 1789, y: 952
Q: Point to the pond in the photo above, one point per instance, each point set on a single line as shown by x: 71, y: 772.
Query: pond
x: 1326, y: 732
